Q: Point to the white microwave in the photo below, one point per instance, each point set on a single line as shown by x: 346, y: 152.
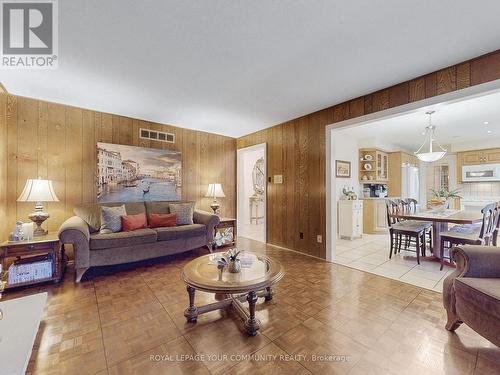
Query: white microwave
x: 481, y: 172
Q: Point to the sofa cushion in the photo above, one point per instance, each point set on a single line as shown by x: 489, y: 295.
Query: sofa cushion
x: 158, y: 207
x: 184, y: 212
x: 484, y: 293
x: 134, y: 222
x: 122, y: 239
x: 91, y: 214
x: 182, y: 231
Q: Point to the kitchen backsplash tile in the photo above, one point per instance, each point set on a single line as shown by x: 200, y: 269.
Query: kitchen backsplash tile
x: 480, y: 189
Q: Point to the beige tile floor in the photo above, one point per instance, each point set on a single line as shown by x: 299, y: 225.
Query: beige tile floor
x: 371, y: 254
x: 253, y: 231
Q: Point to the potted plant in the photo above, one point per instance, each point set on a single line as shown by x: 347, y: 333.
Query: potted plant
x: 231, y: 260
x: 440, y: 202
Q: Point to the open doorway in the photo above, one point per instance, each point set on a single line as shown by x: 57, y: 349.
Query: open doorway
x: 251, y: 192
x: 371, y: 161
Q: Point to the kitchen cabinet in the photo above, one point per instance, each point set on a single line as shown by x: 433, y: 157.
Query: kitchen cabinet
x: 373, y: 165
x: 374, y: 216
x: 480, y: 156
x: 474, y: 157
x: 492, y: 156
x: 382, y: 165
x: 350, y: 219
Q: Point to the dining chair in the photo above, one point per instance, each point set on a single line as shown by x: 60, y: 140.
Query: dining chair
x: 484, y: 233
x: 495, y: 232
x: 411, y: 208
x: 400, y: 230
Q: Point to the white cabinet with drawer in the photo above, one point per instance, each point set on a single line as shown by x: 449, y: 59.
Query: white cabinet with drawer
x: 350, y: 219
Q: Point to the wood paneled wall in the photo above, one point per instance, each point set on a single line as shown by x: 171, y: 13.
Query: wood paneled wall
x: 58, y: 142
x: 296, y: 149
x: 3, y: 165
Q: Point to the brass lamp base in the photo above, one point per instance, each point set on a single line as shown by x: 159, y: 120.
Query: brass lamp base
x: 215, y: 206
x: 38, y: 217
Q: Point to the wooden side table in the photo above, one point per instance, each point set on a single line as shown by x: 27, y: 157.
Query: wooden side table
x: 43, y: 245
x: 226, y: 222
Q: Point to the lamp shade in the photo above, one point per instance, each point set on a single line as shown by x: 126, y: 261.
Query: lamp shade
x: 38, y: 190
x: 430, y: 157
x: 435, y: 151
x: 215, y: 191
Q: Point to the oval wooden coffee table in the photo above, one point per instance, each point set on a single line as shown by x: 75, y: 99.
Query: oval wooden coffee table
x: 254, y: 280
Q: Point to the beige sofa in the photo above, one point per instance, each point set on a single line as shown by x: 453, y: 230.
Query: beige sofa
x: 471, y: 295
x: 92, y: 248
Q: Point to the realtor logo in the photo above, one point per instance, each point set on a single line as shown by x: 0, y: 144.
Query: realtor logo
x: 29, y: 34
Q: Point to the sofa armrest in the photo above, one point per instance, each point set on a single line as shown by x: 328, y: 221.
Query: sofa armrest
x: 208, y: 219
x: 76, y: 232
x: 477, y: 261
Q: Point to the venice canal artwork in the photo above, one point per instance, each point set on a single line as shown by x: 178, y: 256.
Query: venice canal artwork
x: 132, y: 174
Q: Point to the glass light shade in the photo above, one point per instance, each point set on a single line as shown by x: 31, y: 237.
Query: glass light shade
x: 38, y: 190
x: 435, y: 151
x: 429, y: 157
x: 215, y: 191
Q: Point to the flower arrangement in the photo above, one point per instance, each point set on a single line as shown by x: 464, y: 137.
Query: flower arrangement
x: 445, y: 193
x: 440, y: 201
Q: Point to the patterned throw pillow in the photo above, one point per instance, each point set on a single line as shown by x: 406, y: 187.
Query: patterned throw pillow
x: 111, y: 219
x: 183, y: 211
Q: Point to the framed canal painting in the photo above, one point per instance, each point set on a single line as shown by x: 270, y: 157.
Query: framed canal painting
x: 131, y: 174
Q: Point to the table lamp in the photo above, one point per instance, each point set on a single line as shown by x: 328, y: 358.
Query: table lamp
x: 38, y: 190
x: 215, y: 191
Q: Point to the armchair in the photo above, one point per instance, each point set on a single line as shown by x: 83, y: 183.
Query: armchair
x: 471, y: 294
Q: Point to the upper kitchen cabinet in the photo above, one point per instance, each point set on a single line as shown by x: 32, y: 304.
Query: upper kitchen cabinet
x: 492, y: 155
x: 373, y: 165
x: 471, y: 157
x: 382, y: 165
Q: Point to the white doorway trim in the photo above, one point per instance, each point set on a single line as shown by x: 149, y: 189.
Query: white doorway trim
x: 455, y: 96
x: 239, y: 179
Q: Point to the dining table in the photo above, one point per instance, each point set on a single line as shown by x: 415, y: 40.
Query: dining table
x: 441, y: 221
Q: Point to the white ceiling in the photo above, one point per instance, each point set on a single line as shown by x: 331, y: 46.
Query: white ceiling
x: 459, y: 125
x: 236, y: 66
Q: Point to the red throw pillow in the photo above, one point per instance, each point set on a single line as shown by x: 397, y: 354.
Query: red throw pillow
x: 162, y: 220
x: 134, y: 222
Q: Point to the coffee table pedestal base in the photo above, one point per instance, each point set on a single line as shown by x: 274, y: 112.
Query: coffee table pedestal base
x: 252, y: 324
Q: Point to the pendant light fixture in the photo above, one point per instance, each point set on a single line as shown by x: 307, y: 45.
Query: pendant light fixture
x: 430, y: 150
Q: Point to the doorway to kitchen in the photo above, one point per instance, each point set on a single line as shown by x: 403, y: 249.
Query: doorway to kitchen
x: 251, y: 192
x: 373, y: 157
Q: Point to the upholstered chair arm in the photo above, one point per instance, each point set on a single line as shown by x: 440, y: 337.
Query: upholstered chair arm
x: 472, y: 261
x: 76, y: 232
x: 477, y: 261
x: 208, y: 219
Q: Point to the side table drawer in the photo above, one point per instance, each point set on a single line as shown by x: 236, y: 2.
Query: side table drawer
x: 16, y: 248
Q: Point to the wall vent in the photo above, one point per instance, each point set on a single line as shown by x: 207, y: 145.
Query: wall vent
x: 155, y: 135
